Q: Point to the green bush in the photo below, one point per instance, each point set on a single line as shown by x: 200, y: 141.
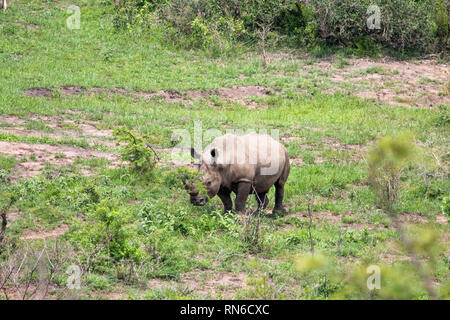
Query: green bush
x: 136, y: 150
x: 162, y: 215
x: 135, y: 12
x: 387, y: 160
x: 404, y: 24
x: 446, y: 206
x: 181, y: 13
x: 443, y: 115
x: 97, y: 282
x: 108, y: 231
x: 442, y: 22
x: 203, y: 24
x: 418, y: 25
x: 219, y: 34
x: 207, y: 24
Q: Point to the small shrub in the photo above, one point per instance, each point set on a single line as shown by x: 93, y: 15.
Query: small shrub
x: 349, y: 220
x: 7, y: 163
x: 136, y: 150
x: 108, y: 231
x: 442, y: 22
x: 252, y: 236
x: 156, y: 215
x: 443, y: 116
x: 97, y: 282
x: 308, y: 157
x: 161, y: 215
x: 446, y: 206
x: 4, y: 176
x: 130, y: 13
x: 89, y: 195
x: 386, y: 163
x: 260, y: 288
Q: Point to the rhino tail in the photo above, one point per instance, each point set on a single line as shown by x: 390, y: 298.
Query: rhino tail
x: 285, y: 173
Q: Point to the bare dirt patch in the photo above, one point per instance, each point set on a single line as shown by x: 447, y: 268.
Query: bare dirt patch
x: 113, y: 296
x: 327, y: 217
x: 32, y: 26
x: 59, y: 128
x: 13, y: 216
x: 337, y: 145
x: 43, y: 154
x: 199, y: 94
x: 297, y: 162
x: 442, y: 219
x: 38, y: 92
x: 415, y: 83
x: 71, y: 90
x: 391, y: 258
x: 288, y: 138
x: 412, y: 218
x: 32, y: 292
x: 205, y: 283
x: 300, y: 162
x: 170, y: 96
x: 214, y: 283
x: 35, y: 235
x: 29, y: 26
x: 239, y: 94
x: 11, y: 120
x: 344, y: 152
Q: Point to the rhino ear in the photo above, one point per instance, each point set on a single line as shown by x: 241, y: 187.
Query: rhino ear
x: 186, y: 184
x: 214, y: 156
x: 194, y: 154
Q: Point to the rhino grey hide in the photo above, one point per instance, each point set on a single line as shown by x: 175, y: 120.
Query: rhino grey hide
x: 244, y: 165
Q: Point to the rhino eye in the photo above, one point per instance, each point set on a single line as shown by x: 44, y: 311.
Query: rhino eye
x: 208, y: 183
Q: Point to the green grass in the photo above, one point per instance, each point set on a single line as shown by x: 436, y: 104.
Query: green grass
x: 156, y: 230
x: 7, y: 163
x: 38, y: 125
x: 378, y: 70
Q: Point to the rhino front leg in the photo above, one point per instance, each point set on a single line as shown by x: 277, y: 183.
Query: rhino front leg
x: 243, y: 190
x: 224, y: 195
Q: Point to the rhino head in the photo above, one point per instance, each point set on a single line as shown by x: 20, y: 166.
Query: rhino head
x: 209, y: 177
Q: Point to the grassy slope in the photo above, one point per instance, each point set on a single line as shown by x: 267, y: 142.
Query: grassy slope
x: 96, y: 55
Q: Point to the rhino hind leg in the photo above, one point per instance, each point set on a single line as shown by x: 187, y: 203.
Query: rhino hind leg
x: 279, y: 195
x: 279, y: 189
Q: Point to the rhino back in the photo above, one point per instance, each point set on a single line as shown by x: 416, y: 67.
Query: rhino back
x: 254, y: 158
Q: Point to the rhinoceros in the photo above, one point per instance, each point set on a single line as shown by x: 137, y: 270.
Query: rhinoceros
x: 248, y: 164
